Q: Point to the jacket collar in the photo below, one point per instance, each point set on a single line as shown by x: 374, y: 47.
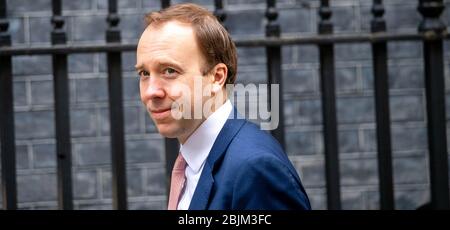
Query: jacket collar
x: 230, y: 129
x: 197, y: 147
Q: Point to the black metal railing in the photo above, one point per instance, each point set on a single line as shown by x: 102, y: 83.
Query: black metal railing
x: 8, y: 145
x: 435, y: 100
x: 379, y: 49
x: 114, y: 60
x: 62, y: 120
x: 326, y: 54
x: 431, y: 32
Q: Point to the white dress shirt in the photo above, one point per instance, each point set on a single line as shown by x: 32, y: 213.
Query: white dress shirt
x: 197, y: 147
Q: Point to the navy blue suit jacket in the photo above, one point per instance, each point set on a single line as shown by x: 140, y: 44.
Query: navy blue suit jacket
x: 248, y: 170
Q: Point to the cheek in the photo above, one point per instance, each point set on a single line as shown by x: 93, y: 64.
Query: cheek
x: 178, y: 90
x: 142, y: 88
x: 207, y: 87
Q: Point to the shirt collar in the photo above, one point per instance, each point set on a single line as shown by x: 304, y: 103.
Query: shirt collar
x: 197, y: 147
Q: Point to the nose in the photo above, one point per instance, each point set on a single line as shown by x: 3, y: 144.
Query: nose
x: 153, y: 89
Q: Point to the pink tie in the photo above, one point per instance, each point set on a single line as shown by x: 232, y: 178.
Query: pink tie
x: 177, y: 182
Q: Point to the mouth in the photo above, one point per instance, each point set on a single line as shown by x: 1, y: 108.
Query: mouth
x: 159, y: 114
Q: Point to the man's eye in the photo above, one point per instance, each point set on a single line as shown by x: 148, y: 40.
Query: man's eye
x: 169, y: 72
x: 143, y: 73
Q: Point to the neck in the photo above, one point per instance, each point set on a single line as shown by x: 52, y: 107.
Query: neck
x: 216, y: 103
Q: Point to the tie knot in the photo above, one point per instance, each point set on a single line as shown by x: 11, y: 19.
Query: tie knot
x: 180, y: 163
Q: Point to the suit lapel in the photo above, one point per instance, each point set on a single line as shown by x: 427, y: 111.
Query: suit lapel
x: 204, y: 186
x: 229, y: 130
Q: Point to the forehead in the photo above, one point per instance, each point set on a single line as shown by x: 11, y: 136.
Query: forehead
x: 174, y: 39
x: 168, y: 30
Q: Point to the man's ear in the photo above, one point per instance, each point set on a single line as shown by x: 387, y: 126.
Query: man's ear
x: 220, y: 72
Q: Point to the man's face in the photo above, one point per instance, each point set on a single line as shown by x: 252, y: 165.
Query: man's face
x: 168, y: 62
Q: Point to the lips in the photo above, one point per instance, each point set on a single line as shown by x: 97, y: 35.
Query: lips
x: 159, y: 114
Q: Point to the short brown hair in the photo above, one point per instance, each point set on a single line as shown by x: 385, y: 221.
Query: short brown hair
x: 213, y: 39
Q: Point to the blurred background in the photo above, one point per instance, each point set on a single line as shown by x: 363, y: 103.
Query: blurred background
x: 85, y: 23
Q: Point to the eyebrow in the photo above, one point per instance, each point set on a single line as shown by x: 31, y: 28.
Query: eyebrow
x: 160, y: 63
x: 169, y: 63
x: 139, y: 67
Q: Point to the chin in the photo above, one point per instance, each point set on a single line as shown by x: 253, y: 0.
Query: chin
x: 167, y: 130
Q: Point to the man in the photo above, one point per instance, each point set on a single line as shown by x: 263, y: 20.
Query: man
x: 224, y: 162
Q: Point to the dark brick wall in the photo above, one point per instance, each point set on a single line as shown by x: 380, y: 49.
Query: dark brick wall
x: 85, y: 24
